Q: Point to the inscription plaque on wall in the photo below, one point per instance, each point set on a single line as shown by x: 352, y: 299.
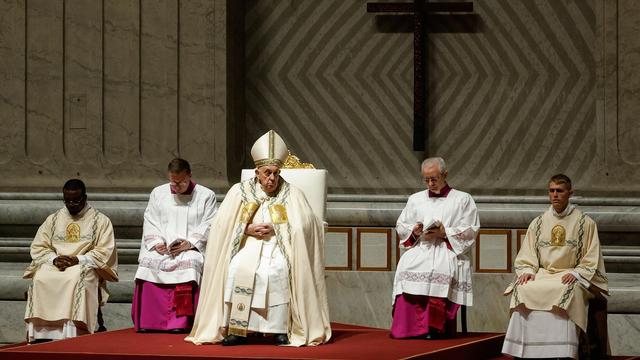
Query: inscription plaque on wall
x: 493, y: 251
x: 337, y: 248
x: 373, y: 249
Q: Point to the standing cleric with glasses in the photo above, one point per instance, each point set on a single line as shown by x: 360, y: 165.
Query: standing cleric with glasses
x: 175, y: 233
x: 433, y: 277
x: 74, y: 254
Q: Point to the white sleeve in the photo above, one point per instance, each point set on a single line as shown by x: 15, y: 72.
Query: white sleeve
x: 462, y: 232
x: 86, y: 260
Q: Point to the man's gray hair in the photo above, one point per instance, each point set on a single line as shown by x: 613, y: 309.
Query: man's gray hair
x: 435, y: 161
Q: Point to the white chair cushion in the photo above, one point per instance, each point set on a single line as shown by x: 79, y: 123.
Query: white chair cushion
x: 312, y: 182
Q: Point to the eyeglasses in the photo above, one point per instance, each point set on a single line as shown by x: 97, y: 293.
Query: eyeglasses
x: 73, y: 202
x: 431, y: 179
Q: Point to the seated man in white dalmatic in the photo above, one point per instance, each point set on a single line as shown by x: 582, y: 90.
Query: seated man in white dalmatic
x: 73, y: 254
x: 558, y: 269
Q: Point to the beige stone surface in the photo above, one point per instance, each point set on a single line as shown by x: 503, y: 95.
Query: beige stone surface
x: 111, y: 91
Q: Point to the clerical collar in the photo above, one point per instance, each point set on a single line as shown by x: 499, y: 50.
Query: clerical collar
x: 189, y: 190
x: 443, y: 192
x: 81, y: 213
x: 568, y: 210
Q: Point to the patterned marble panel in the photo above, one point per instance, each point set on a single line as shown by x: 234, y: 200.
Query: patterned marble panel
x: 360, y: 298
x: 512, y: 99
x: 624, y: 332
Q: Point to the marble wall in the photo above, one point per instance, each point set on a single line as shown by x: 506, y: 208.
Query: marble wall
x: 517, y: 91
x: 111, y: 90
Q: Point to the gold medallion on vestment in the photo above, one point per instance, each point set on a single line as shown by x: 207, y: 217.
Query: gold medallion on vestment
x: 278, y: 214
x: 248, y: 210
x: 558, y: 235
x: 73, y: 233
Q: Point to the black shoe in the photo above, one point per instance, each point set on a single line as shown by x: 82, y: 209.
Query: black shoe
x: 281, y: 339
x: 433, y: 336
x: 142, y: 331
x: 233, y: 340
x: 178, y: 331
x: 39, y: 341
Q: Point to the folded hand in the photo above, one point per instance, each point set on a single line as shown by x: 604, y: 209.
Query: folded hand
x: 179, y: 246
x: 62, y: 262
x: 260, y: 231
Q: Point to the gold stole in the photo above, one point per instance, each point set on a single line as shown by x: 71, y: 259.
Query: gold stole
x: 245, y: 276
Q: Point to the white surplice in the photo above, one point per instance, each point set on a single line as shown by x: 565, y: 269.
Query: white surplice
x: 429, y: 268
x: 170, y: 217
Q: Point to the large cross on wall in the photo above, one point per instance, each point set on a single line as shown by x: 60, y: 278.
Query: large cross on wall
x: 420, y: 9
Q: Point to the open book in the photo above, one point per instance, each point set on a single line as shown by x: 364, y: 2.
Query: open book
x: 430, y: 223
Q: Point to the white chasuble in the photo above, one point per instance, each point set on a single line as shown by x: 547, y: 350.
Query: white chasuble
x: 169, y: 218
x: 62, y: 299
x: 430, y: 268
x: 294, y: 253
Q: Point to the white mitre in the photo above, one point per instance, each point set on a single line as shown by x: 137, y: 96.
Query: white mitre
x: 269, y: 149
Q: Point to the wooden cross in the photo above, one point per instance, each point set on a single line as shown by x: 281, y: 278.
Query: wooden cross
x: 420, y: 8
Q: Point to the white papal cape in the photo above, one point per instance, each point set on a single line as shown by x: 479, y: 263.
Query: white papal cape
x: 170, y: 217
x: 299, y: 237
x: 430, y: 268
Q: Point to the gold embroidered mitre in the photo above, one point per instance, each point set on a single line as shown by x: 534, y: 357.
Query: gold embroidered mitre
x: 269, y: 149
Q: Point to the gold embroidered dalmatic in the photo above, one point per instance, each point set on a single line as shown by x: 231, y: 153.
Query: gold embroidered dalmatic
x: 552, y: 247
x: 71, y: 294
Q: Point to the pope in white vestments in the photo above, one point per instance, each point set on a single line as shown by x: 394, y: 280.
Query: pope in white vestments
x: 264, y: 267
x: 74, y: 254
x: 174, y: 239
x: 433, y: 277
x: 559, y: 269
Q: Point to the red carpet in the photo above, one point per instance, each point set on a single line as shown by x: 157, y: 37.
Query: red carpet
x: 348, y: 342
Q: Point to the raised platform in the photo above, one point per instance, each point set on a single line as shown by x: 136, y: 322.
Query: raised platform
x: 348, y: 342
x: 357, y: 297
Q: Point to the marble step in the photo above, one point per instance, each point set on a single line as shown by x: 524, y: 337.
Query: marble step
x: 624, y: 289
x: 622, y: 259
x: 28, y: 210
x: 15, y: 249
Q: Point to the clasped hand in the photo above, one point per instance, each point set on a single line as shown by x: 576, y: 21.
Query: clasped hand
x: 175, y: 249
x: 429, y: 234
x: 259, y: 231
x: 62, y: 262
